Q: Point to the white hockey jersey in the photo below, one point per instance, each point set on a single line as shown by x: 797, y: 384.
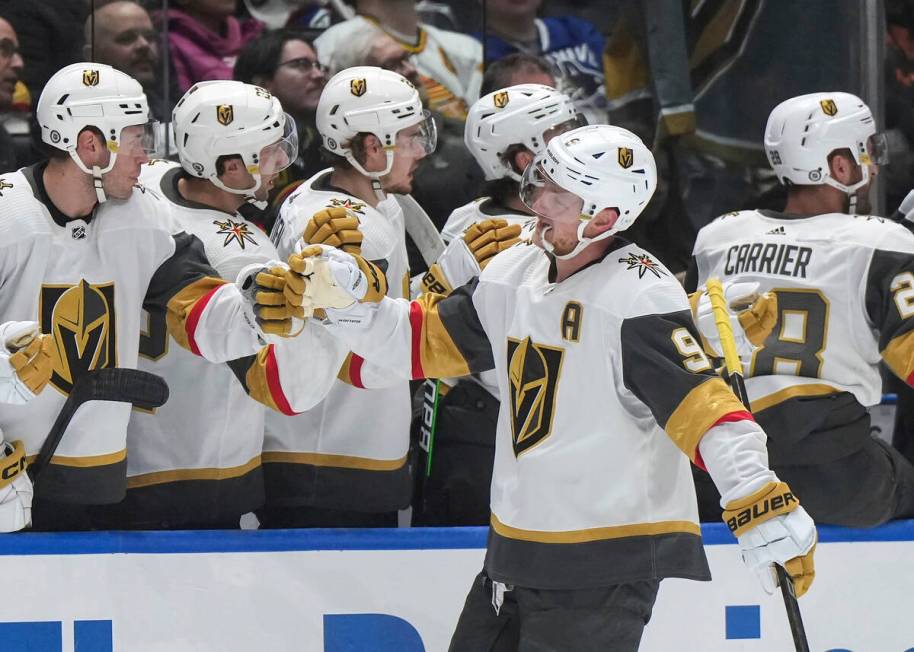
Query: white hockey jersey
x: 845, y: 288
x: 604, y: 387
x: 451, y: 59
x: 198, y: 456
x: 85, y: 281
x: 349, y: 451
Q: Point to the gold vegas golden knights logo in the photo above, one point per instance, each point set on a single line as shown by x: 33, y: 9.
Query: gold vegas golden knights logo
x: 358, y: 87
x: 501, y: 99
x: 225, y: 114
x: 533, y: 376
x: 626, y: 157
x: 829, y: 107
x: 82, y: 322
x: 90, y: 78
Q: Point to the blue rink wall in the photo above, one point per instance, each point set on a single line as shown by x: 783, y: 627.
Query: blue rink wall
x: 401, y: 591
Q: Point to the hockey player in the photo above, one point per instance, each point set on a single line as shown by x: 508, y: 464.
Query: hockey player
x: 844, y: 282
x: 504, y: 131
x: 345, y: 461
x: 195, y: 462
x: 85, y: 250
x: 607, y: 395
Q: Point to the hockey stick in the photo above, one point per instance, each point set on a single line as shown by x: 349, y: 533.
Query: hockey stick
x: 734, y: 371
x: 142, y: 389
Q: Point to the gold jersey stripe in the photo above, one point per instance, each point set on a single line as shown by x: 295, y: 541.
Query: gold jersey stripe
x: 701, y: 408
x: 813, y: 389
x: 899, y: 355
x: 88, y: 461
x: 330, y: 459
x: 597, y: 533
x: 181, y: 307
x: 439, y: 355
x: 177, y: 475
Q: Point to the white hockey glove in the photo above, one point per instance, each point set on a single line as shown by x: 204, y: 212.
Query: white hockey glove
x: 466, y: 257
x: 26, y: 361
x: 752, y: 317
x: 276, y: 297
x: 772, y: 528
x: 15, y: 488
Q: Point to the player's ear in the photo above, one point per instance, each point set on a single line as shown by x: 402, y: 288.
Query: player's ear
x: 232, y: 166
x: 375, y: 158
x: 90, y: 146
x: 842, y: 167
x: 522, y: 158
x: 602, y: 222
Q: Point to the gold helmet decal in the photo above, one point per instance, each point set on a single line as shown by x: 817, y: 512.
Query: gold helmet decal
x: 225, y: 114
x: 90, y: 78
x: 626, y: 157
x: 358, y: 86
x: 81, y: 320
x: 533, y: 375
x: 829, y: 107
x: 501, y: 99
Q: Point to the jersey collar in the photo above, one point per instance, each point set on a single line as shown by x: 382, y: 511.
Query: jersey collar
x: 616, y: 243
x: 34, y: 174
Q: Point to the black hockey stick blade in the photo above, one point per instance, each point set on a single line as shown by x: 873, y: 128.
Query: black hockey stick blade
x: 142, y: 389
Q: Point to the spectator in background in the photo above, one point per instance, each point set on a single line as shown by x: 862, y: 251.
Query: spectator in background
x: 205, y: 38
x: 518, y: 68
x: 10, y: 70
x: 284, y: 62
x: 571, y: 44
x: 450, y: 63
x: 47, y: 35
x: 124, y: 38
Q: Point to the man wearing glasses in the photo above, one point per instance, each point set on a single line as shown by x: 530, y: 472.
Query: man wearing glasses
x: 10, y: 69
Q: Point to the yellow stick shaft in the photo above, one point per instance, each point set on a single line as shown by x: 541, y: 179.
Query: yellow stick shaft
x: 724, y: 328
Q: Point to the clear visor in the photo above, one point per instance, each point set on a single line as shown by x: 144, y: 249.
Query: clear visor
x: 577, y: 121
x: 877, y: 148
x: 276, y: 157
x: 420, y: 137
x: 135, y: 140
x: 546, y: 198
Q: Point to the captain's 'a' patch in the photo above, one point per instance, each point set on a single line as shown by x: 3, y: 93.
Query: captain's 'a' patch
x: 534, y: 371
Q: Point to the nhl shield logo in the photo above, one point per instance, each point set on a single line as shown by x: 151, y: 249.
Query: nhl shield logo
x: 358, y: 86
x: 225, y: 114
x: 626, y: 157
x: 829, y: 107
x: 90, y: 78
x: 533, y: 375
x: 501, y: 99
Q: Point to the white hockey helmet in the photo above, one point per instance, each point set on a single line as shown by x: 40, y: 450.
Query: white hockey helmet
x: 94, y: 95
x: 526, y: 114
x: 366, y: 99
x: 803, y: 131
x: 231, y: 118
x: 587, y: 170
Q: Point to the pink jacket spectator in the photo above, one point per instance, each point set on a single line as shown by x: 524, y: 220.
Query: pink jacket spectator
x: 199, y: 54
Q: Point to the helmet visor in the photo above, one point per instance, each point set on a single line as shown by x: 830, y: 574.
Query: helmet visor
x: 877, y: 148
x: 421, y: 137
x: 546, y: 198
x: 276, y: 157
x: 577, y: 121
x: 135, y: 140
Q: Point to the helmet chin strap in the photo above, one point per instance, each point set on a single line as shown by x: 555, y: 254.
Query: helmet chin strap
x: 97, y: 182
x: 851, y: 190
x: 374, y: 176
x: 582, y: 241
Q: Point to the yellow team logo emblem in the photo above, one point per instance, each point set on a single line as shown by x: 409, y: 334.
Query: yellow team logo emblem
x: 225, y: 114
x: 829, y: 107
x: 82, y: 322
x: 358, y: 87
x: 533, y: 375
x: 626, y: 157
x: 501, y: 99
x: 90, y: 78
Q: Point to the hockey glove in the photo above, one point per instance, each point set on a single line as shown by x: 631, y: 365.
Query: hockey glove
x: 276, y: 296
x: 15, y: 488
x: 753, y: 317
x: 336, y: 227
x: 487, y: 238
x: 772, y: 528
x: 26, y: 362
x: 339, y: 279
